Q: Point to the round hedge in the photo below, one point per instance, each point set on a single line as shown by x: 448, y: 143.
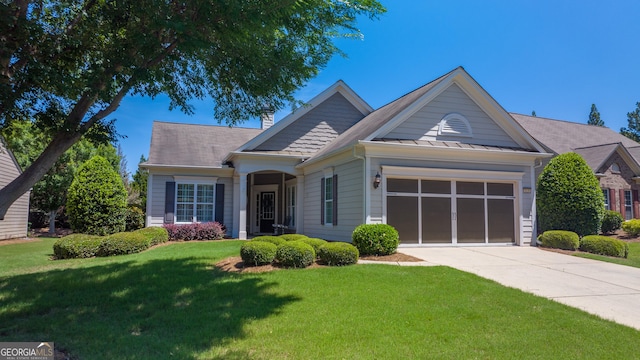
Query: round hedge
x: 560, y: 239
x: 569, y: 196
x: 314, y: 242
x: 338, y: 254
x: 292, y: 237
x: 123, y: 243
x: 76, y: 246
x: 611, y: 221
x: 295, y: 254
x: 375, y: 239
x: 256, y: 253
x: 276, y: 240
x: 603, y: 245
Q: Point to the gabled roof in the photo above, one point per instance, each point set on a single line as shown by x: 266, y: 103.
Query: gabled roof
x: 564, y: 136
x: 5, y: 148
x: 386, y: 118
x: 596, y: 156
x: 188, y: 145
x: 282, y: 136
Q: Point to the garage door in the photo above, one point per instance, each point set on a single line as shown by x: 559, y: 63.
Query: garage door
x: 434, y: 211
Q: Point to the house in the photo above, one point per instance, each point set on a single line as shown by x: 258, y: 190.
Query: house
x: 614, y: 158
x: 444, y: 164
x: 15, y: 222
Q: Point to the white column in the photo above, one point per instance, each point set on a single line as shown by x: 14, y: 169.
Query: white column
x: 300, y: 204
x: 149, y: 199
x: 239, y: 206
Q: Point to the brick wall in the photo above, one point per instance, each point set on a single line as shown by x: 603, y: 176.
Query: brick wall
x: 617, y: 182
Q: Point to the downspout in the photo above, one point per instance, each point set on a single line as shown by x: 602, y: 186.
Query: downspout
x: 365, y: 211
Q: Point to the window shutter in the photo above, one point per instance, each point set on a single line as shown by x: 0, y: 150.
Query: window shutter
x: 612, y: 199
x: 636, y: 204
x: 322, y: 201
x: 622, y: 203
x: 335, y: 200
x: 169, y: 201
x: 219, y: 207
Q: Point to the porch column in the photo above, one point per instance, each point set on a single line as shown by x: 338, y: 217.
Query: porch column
x: 240, y: 206
x: 300, y: 204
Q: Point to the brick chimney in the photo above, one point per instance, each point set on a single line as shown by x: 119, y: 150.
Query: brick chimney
x: 266, y: 119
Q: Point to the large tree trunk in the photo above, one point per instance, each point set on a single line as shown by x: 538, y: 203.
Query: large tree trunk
x: 10, y: 193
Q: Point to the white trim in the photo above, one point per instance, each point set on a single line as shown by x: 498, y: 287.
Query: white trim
x: 253, y: 207
x: 450, y: 174
x: 150, y: 199
x: 195, y: 181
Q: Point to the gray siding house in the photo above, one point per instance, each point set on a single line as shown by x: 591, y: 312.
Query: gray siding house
x: 445, y: 164
x: 15, y: 222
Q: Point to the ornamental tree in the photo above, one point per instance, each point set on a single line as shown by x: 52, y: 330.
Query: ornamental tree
x: 97, y: 199
x: 569, y: 196
x: 67, y: 64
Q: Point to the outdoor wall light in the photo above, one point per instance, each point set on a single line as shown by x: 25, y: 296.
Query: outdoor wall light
x: 376, y: 180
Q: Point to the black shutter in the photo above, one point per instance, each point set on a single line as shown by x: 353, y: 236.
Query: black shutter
x: 169, y: 201
x: 220, y: 203
x: 335, y: 200
x: 322, y: 201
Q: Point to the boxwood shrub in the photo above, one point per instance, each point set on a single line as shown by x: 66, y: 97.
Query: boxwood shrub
x: 375, y: 239
x: 338, y: 254
x: 292, y: 237
x: 631, y: 227
x: 560, y: 239
x: 156, y: 235
x: 603, y: 245
x: 611, y: 221
x: 295, y: 254
x: 255, y: 253
x: 123, y: 243
x: 314, y: 242
x: 77, y: 246
x: 276, y: 240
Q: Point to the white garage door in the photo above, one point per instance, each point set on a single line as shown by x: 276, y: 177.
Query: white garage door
x: 435, y: 211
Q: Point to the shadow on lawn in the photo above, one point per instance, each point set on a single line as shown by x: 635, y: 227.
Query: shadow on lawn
x: 157, y: 309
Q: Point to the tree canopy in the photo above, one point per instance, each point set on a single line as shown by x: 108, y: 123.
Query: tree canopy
x: 67, y: 64
x: 594, y: 117
x: 632, y: 131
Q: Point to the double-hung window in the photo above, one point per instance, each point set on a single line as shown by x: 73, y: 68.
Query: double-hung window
x: 194, y: 202
x: 329, y: 200
x: 628, y: 205
x: 607, y: 202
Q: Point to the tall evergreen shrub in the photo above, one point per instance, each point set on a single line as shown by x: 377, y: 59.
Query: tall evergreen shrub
x: 569, y: 196
x: 97, y: 199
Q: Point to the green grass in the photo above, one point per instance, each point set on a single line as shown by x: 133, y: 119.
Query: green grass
x: 632, y: 260
x: 171, y: 302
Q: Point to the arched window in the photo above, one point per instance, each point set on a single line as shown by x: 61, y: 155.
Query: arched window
x: 615, y: 168
x: 454, y: 124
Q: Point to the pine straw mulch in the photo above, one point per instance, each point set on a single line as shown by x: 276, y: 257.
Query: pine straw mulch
x: 235, y: 263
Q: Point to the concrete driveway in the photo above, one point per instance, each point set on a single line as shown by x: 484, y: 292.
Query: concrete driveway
x: 608, y: 290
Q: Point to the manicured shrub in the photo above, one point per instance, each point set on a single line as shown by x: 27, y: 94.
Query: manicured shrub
x: 292, y: 237
x: 295, y: 254
x: 338, y: 254
x: 76, y: 246
x: 569, y: 196
x: 611, y: 221
x: 375, y: 239
x: 97, y: 199
x: 195, y: 231
x: 631, y: 227
x: 134, y: 219
x: 256, y: 253
x: 603, y: 245
x: 123, y: 243
x: 314, y: 242
x: 276, y: 240
x: 156, y: 235
x: 560, y: 239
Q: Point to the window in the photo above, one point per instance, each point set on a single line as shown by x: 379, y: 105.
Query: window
x: 628, y: 205
x: 615, y: 168
x: 194, y: 202
x: 607, y: 205
x: 291, y: 205
x: 329, y: 200
x: 454, y: 124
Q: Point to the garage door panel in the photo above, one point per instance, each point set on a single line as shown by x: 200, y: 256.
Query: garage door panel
x: 470, y: 220
x: 402, y: 214
x: 436, y: 220
x: 501, y: 220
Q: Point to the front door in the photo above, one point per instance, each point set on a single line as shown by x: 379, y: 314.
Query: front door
x: 266, y: 211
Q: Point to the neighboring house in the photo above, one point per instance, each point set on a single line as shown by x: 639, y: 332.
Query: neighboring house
x: 614, y: 158
x: 443, y: 164
x: 15, y: 222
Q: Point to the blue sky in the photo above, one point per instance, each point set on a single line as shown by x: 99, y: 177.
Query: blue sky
x: 554, y: 57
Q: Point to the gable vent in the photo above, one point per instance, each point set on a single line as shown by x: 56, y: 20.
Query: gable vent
x: 454, y: 124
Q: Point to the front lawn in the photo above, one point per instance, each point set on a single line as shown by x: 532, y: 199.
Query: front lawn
x: 171, y: 302
x: 632, y: 260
